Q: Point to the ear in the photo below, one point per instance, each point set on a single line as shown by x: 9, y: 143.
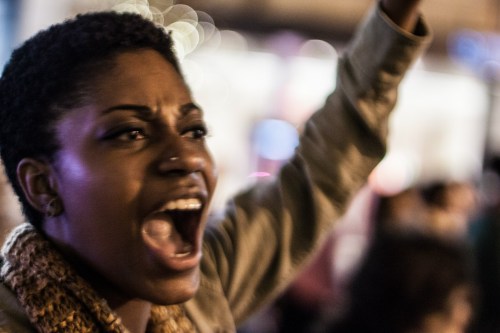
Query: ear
x: 37, y: 181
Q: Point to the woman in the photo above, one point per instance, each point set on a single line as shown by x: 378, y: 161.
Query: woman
x: 104, y: 146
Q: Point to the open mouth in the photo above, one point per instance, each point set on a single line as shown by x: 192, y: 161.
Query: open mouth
x: 174, y: 229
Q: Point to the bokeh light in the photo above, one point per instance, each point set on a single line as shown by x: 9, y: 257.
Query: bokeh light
x: 189, y: 28
x: 479, y: 51
x: 316, y: 48
x: 275, y: 139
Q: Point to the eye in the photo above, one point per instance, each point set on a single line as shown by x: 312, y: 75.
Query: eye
x: 196, y: 132
x: 132, y: 135
x: 127, y: 135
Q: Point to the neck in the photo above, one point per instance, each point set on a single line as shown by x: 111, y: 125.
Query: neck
x: 135, y: 315
x: 134, y: 312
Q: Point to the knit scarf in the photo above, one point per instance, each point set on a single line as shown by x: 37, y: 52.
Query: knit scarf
x: 56, y: 299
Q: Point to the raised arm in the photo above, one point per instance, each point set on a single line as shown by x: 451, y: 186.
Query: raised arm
x: 270, y: 230
x: 404, y: 13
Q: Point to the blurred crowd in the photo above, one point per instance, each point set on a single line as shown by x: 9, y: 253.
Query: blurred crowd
x: 426, y: 260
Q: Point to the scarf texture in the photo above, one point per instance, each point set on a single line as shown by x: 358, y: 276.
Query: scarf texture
x: 56, y: 299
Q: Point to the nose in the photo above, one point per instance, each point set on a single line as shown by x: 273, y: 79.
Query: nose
x: 182, y: 158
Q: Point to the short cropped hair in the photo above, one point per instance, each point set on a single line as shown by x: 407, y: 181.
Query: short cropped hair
x: 51, y: 73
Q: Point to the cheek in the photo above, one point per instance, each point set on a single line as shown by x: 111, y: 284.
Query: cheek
x: 93, y: 189
x: 100, y: 211
x: 211, y: 172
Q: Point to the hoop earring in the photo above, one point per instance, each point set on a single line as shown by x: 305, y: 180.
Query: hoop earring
x: 53, y: 207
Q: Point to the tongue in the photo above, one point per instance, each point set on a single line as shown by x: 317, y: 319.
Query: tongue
x: 159, y: 230
x: 161, y: 234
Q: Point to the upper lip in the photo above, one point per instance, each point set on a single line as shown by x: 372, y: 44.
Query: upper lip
x: 186, y: 188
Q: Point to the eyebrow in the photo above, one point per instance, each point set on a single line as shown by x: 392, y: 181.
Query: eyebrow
x: 186, y: 108
x: 142, y: 109
x: 147, y: 111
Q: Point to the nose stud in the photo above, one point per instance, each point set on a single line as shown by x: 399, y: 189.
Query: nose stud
x: 173, y: 158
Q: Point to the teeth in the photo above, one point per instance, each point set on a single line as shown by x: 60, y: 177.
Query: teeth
x: 184, y: 204
x: 187, y: 249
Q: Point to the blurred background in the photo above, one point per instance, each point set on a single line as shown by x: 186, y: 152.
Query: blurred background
x: 259, y: 68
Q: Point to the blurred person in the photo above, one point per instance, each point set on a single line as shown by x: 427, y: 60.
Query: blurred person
x: 10, y: 215
x: 452, y: 207
x: 311, y: 295
x: 439, y: 210
x: 404, y: 211
x: 410, y: 282
x: 105, y: 148
x: 485, y: 237
x: 318, y: 290
x: 442, y: 208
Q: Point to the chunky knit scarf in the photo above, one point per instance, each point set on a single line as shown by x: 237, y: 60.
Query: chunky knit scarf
x: 56, y: 299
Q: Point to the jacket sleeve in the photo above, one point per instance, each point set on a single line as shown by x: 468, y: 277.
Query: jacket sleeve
x: 270, y: 230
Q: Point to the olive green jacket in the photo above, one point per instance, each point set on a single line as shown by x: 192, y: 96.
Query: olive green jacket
x: 269, y: 231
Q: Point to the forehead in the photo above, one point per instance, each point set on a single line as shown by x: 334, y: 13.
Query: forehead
x: 142, y: 76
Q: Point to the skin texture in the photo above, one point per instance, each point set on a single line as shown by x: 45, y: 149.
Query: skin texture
x: 135, y: 146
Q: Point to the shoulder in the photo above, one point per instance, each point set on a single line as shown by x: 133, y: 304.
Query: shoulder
x: 12, y: 316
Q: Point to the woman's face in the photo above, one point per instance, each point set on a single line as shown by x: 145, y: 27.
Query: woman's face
x: 135, y: 179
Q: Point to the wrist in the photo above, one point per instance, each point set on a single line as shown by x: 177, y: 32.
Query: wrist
x: 403, y: 13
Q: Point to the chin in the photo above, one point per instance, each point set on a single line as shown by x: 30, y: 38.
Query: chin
x: 175, y: 290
